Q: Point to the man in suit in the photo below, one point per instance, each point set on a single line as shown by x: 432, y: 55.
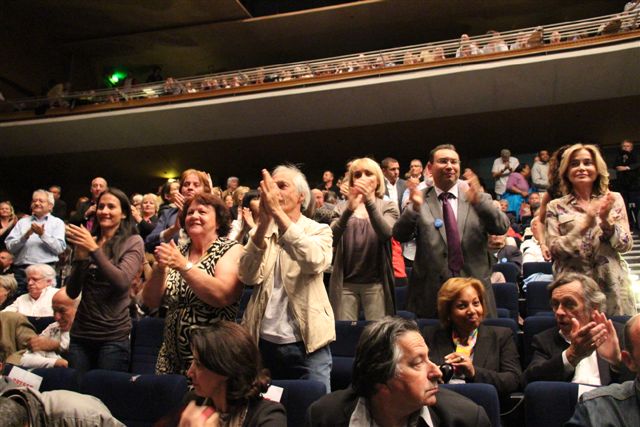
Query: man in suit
x: 445, y: 251
x: 584, y: 347
x: 394, y: 185
x: 394, y: 383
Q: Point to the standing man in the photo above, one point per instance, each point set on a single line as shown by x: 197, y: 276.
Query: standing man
x: 289, y: 313
x: 451, y: 223
x: 502, y: 168
x: 627, y: 166
x: 415, y: 170
x: 59, y: 206
x: 86, y: 213
x: 540, y: 171
x: 328, y: 183
x: 36, y: 239
x: 394, y: 185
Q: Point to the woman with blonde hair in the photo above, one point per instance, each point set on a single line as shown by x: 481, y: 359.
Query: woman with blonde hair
x: 587, y: 229
x: 478, y: 353
x: 146, y: 217
x: 7, y: 221
x: 362, y: 272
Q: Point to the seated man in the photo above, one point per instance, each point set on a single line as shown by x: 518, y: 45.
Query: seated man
x: 501, y: 252
x: 394, y: 383
x: 6, y: 262
x: 615, y: 404
x: 49, y: 408
x: 46, y: 350
x: 41, y: 281
x: 584, y: 346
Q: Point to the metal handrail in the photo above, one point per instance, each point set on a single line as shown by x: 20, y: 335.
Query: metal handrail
x: 520, y: 39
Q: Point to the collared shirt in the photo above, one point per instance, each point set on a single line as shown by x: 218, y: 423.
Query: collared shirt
x: 361, y: 416
x: 28, y: 306
x: 47, y: 359
x: 453, y: 202
x: 37, y: 249
x: 498, y: 166
x: 586, y: 371
x: 392, y: 189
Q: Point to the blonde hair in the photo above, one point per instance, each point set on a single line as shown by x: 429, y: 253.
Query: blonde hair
x: 601, y: 184
x: 153, y: 197
x: 449, y: 292
x: 372, y: 166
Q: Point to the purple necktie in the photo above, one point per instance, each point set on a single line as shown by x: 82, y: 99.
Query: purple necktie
x: 456, y: 260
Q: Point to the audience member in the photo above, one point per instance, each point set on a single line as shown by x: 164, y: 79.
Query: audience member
x: 103, y: 268
x: 59, y: 206
x: 467, y: 47
x: 555, y: 37
x: 47, y: 349
x: 502, y: 167
x: 394, y: 383
x: 540, y: 171
x: 36, y: 239
x: 502, y: 252
x: 415, y: 170
x: 530, y: 247
x: 327, y: 183
x: 248, y: 211
x: 6, y: 262
x: 41, y: 282
x: 362, y: 276
x: 517, y: 188
x: 232, y: 185
x: 495, y: 44
x: 394, y: 185
x: 227, y: 375
x: 15, y: 333
x: 198, y: 282
x: 536, y: 38
x: 7, y: 220
x: 477, y: 352
x: 616, y: 404
x: 146, y: 217
x: 8, y: 286
x: 598, y: 229
x: 627, y: 166
x: 169, y: 225
x: 168, y: 190
x: 86, y: 213
x: 583, y: 347
x: 289, y: 313
x: 466, y: 253
x: 322, y: 211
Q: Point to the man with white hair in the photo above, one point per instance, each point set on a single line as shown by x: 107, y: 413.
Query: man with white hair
x: 501, y: 169
x: 289, y: 313
x: 36, y: 239
x: 41, y: 281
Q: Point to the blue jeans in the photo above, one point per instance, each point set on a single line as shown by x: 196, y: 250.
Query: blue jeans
x: 291, y: 362
x: 85, y: 355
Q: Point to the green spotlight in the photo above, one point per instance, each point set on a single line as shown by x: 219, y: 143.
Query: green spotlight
x: 116, y: 77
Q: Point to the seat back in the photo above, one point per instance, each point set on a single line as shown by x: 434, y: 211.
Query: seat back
x: 510, y: 271
x: 533, y: 325
x: 146, y: 339
x: 409, y: 315
x: 136, y: 400
x: 59, y: 379
x: 507, y: 295
x: 484, y: 395
x: 529, y: 268
x: 505, y: 323
x: 297, y: 396
x: 40, y: 323
x: 549, y: 403
x: 401, y: 297
x: 537, y: 298
x: 343, y: 351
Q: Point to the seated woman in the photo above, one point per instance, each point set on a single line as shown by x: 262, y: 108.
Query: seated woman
x: 518, y: 188
x: 478, y: 353
x: 228, y: 380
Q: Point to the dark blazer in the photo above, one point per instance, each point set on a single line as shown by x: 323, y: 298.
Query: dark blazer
x: 510, y: 252
x: 60, y: 209
x: 401, y: 185
x: 451, y: 409
x: 546, y: 364
x: 495, y: 356
x: 430, y: 267
x: 165, y: 220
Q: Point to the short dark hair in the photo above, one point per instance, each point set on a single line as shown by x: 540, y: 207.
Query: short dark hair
x: 437, y: 148
x: 377, y: 353
x: 227, y: 349
x: 384, y: 164
x: 223, y: 217
x: 521, y: 167
x: 628, y: 341
x: 12, y: 413
x: 126, y: 229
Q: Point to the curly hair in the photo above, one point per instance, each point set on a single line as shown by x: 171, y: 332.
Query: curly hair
x: 449, y: 292
x: 223, y: 217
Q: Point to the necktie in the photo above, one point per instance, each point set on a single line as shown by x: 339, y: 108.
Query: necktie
x: 454, y: 248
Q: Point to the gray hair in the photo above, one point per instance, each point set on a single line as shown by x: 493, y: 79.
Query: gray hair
x: 591, y: 293
x: 299, y: 180
x: 46, y: 270
x: 8, y: 282
x: 49, y: 195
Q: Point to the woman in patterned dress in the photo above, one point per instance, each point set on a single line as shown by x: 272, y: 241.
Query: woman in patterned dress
x: 198, y: 282
x: 587, y: 229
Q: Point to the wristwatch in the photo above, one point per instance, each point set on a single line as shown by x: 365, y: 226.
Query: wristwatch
x: 187, y: 267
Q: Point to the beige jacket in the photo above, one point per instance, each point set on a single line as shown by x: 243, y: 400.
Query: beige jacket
x: 306, y: 249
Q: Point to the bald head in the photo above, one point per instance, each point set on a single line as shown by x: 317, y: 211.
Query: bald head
x: 318, y: 197
x: 98, y: 185
x: 64, y: 309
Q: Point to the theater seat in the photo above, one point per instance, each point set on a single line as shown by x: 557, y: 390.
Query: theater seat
x: 505, y: 323
x: 40, y: 323
x: 59, y: 379
x: 343, y: 351
x: 146, y: 340
x: 507, y: 296
x: 297, y: 396
x: 136, y: 400
x: 401, y: 297
x: 533, y: 325
x: 549, y: 403
x: 510, y: 271
x: 537, y: 298
x: 529, y: 268
x: 484, y: 395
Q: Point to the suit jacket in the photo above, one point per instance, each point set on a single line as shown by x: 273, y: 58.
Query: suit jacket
x: 401, y: 185
x: 430, y: 267
x: 451, y: 409
x: 15, y: 333
x: 547, y: 365
x: 510, y: 252
x: 165, y: 220
x: 495, y: 355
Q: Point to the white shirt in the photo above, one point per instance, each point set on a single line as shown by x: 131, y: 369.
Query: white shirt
x: 498, y: 165
x: 361, y: 415
x: 586, y: 371
x: 453, y: 201
x: 28, y: 306
x: 392, y: 189
x: 47, y: 359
